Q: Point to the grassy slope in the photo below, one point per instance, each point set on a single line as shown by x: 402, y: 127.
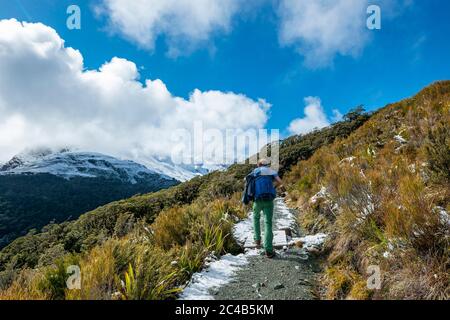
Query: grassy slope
x: 383, y: 201
x: 148, y: 232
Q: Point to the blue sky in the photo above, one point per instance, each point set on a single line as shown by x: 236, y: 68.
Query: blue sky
x: 409, y: 52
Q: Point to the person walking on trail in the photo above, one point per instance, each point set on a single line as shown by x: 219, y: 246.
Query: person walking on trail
x: 260, y: 188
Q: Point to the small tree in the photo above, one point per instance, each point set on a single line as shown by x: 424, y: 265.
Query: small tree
x: 438, y: 152
x: 354, y: 113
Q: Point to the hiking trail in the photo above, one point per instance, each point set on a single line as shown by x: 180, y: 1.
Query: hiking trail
x: 291, y: 275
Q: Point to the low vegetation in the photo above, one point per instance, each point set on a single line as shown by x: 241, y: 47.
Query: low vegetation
x: 383, y: 196
x: 140, y: 265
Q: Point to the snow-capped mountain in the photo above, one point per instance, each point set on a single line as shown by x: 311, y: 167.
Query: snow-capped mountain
x: 68, y: 164
x: 44, y: 185
x: 180, y: 172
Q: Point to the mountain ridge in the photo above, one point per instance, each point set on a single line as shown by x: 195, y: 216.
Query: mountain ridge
x: 40, y: 160
x: 69, y: 164
x: 45, y: 185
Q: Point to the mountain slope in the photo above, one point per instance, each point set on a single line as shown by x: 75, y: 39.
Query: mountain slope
x: 180, y: 172
x: 69, y: 164
x: 186, y: 222
x: 41, y: 186
x: 383, y: 195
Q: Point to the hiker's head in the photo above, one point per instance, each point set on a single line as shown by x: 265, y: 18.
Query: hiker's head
x: 263, y: 163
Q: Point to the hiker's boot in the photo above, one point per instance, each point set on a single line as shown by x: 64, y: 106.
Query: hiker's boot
x: 258, y: 244
x: 270, y: 255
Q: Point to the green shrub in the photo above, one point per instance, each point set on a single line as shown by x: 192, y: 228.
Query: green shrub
x: 54, y: 283
x: 438, y: 152
x: 172, y: 227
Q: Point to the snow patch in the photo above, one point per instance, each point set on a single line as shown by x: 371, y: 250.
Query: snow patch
x: 311, y: 241
x: 400, y: 139
x: 322, y: 194
x: 243, y: 229
x: 285, y: 219
x: 349, y: 160
x: 390, y: 248
x: 443, y: 215
x: 180, y: 172
x: 216, y: 274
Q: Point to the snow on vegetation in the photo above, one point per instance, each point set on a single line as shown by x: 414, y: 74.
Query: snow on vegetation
x: 390, y: 249
x: 311, y: 242
x: 443, y: 215
x: 322, y: 194
x: 400, y: 139
x: 349, y: 160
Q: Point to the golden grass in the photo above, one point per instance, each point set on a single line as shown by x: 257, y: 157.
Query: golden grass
x: 150, y: 263
x: 386, y: 193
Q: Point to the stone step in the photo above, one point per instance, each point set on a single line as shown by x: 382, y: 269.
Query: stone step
x: 279, y: 240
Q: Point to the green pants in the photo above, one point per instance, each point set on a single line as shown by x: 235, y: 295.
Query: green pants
x: 266, y: 206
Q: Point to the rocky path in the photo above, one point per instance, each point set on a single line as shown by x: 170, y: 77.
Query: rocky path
x: 291, y: 275
x: 287, y: 277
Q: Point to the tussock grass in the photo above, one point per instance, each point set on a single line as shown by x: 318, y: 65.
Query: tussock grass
x: 152, y: 262
x: 384, y: 200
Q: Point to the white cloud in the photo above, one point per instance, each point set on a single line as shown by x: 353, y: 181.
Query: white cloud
x: 186, y: 24
x: 48, y: 98
x: 322, y: 29
x: 315, y: 117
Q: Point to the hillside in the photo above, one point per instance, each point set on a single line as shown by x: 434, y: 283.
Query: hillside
x: 383, y: 194
x: 42, y: 186
x: 189, y: 225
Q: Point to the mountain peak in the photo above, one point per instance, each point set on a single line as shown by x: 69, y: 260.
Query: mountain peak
x: 30, y: 155
x: 68, y: 164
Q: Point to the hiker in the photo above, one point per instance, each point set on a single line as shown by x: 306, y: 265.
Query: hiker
x: 260, y: 188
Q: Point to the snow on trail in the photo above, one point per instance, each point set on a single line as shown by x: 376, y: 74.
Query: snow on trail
x: 218, y: 273
x: 215, y: 275
x: 283, y: 219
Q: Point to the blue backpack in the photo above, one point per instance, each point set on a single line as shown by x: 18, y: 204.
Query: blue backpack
x: 259, y: 186
x: 264, y: 189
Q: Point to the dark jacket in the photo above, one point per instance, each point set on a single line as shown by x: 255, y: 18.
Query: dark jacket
x: 249, y: 190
